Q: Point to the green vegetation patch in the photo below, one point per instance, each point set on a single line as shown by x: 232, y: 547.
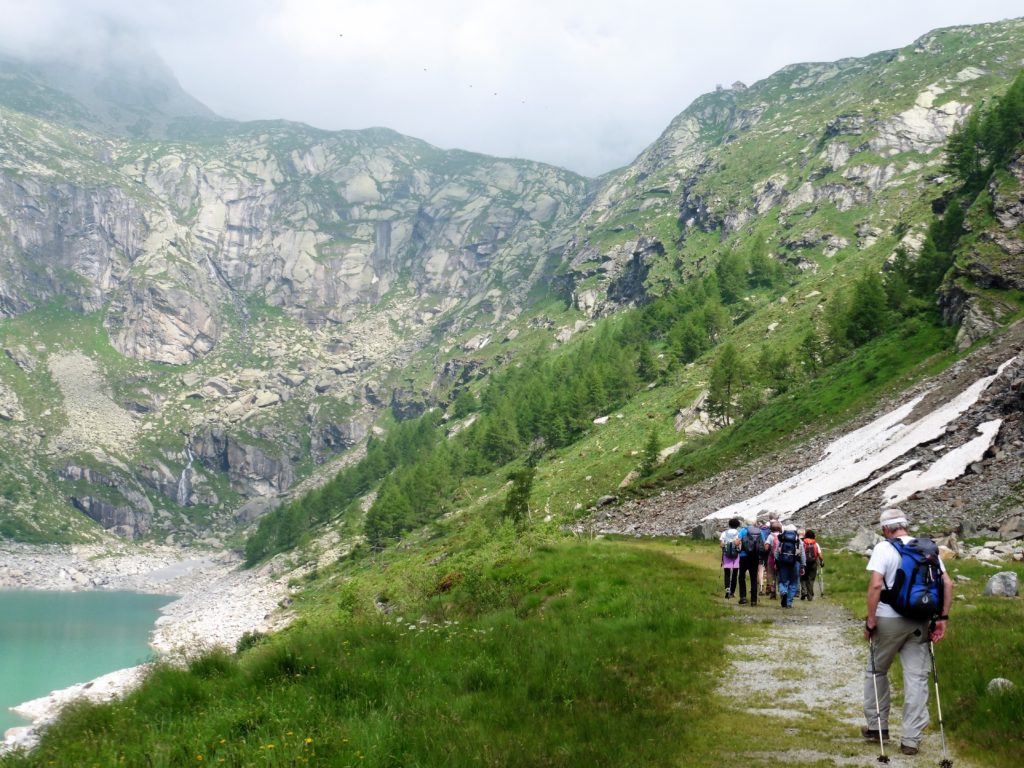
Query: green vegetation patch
x: 584, y: 654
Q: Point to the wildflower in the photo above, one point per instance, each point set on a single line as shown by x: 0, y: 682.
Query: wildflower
x: 309, y: 740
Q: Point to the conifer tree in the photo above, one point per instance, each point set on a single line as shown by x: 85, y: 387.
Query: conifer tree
x: 652, y: 450
x: 517, y: 503
x: 728, y: 375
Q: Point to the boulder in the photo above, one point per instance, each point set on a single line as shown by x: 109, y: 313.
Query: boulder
x: 706, y: 530
x: 1012, y: 528
x: 863, y: 540
x: 1002, y: 584
x: 999, y: 685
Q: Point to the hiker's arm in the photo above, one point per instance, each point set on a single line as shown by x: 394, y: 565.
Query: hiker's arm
x: 939, y: 629
x: 874, y: 596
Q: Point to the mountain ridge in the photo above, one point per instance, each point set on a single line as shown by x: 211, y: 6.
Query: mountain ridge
x: 277, y: 280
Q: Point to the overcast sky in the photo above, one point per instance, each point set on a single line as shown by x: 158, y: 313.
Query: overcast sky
x: 585, y: 84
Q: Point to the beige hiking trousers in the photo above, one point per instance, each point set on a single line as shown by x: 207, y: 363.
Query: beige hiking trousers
x: 909, y: 639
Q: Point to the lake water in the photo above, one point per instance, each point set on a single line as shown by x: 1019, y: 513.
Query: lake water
x: 50, y: 640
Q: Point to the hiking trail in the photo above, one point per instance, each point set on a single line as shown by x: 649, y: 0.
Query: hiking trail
x: 815, y: 641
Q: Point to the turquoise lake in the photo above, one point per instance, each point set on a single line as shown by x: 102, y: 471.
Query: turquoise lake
x: 50, y: 640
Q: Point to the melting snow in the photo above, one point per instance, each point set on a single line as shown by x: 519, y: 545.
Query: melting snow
x: 949, y: 467
x: 856, y: 456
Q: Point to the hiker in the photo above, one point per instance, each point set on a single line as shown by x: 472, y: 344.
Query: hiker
x: 891, y: 633
x: 789, y: 564
x: 771, y: 575
x: 730, y: 542
x: 762, y: 571
x: 814, y: 560
x: 751, y: 547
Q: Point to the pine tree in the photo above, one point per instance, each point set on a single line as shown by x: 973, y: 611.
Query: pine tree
x: 517, y: 503
x: 646, y: 364
x: 652, y: 451
x: 811, y: 353
x: 728, y: 375
x: 868, y: 313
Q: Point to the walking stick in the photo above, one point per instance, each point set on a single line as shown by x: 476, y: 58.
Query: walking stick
x: 821, y: 579
x: 878, y: 709
x: 946, y: 762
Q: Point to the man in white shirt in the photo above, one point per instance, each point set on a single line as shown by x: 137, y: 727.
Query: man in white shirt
x: 892, y: 634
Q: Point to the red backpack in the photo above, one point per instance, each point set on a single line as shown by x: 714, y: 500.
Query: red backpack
x: 812, y: 551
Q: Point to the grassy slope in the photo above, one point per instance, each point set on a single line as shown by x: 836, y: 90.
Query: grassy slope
x: 517, y: 650
x: 505, y: 654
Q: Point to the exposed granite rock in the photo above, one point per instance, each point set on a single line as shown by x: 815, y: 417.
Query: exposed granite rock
x: 251, y: 470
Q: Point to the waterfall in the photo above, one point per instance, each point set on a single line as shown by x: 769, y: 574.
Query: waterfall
x: 185, y: 481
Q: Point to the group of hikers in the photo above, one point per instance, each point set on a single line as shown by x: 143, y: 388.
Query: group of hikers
x: 908, y: 599
x: 778, y: 561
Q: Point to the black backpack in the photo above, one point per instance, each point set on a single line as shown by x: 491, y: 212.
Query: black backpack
x: 789, y: 548
x: 752, y: 543
x: 917, y: 591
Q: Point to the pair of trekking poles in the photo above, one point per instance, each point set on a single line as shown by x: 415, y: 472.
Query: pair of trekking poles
x: 882, y: 758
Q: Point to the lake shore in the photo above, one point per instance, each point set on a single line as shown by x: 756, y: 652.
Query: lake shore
x: 217, y: 603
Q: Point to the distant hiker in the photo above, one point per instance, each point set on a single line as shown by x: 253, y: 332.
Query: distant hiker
x: 812, y: 553
x: 771, y: 576
x: 789, y: 563
x: 762, y: 573
x: 909, y: 595
x: 751, y: 547
x: 730, y: 541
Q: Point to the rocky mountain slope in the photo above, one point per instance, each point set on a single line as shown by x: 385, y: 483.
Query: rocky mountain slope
x: 826, y: 161
x: 200, y: 313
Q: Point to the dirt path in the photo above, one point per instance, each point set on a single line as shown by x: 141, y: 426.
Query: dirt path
x: 804, y: 675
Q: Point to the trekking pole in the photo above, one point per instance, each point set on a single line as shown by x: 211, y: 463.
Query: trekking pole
x: 878, y: 709
x: 821, y: 579
x: 946, y: 762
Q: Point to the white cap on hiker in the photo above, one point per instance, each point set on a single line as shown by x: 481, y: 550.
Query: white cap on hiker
x: 892, y: 519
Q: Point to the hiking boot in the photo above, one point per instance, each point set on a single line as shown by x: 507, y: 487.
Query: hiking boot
x: 753, y: 603
x: 908, y: 750
x: 743, y: 601
x: 872, y: 735
x: 803, y: 597
x: 728, y: 594
x: 784, y: 602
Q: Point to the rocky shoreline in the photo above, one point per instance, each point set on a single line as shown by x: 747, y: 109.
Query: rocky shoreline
x: 217, y: 603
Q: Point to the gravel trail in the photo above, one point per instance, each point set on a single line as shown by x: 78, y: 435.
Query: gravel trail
x: 809, y: 665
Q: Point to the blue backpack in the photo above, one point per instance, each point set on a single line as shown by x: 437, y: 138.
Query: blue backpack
x: 789, y: 548
x: 917, y: 591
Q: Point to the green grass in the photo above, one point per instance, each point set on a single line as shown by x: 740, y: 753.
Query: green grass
x: 985, y: 640
x: 575, y: 654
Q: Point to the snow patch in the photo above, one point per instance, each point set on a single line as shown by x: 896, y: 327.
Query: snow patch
x: 856, y: 456
x: 949, y: 467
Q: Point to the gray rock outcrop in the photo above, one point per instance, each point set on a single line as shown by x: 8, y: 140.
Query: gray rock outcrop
x: 1002, y: 584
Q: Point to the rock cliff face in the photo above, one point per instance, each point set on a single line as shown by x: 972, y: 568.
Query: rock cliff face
x: 989, y: 258
x: 288, y: 269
